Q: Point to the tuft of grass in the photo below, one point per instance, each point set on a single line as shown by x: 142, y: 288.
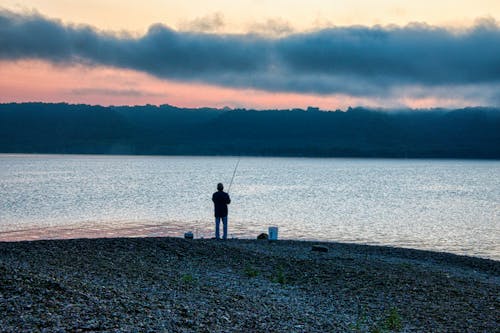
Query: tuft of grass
x: 391, y: 323
x: 187, y: 279
x: 251, y: 271
x: 279, y: 276
x: 356, y: 326
x: 393, y: 320
x: 360, y: 325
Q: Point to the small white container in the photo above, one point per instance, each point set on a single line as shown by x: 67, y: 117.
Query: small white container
x: 273, y: 233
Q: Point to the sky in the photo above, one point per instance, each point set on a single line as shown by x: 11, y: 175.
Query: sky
x: 252, y: 53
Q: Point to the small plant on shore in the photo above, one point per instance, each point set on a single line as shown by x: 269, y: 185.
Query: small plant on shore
x: 187, y: 279
x: 279, y: 277
x: 393, y: 320
x: 357, y: 326
x: 391, y: 323
x: 360, y: 325
x: 251, y: 271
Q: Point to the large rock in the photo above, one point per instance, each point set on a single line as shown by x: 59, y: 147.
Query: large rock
x: 319, y: 248
x: 263, y: 236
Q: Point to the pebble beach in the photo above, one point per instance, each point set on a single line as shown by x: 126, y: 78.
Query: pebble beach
x: 203, y: 285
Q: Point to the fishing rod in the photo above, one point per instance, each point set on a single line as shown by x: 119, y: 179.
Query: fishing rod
x: 234, y: 173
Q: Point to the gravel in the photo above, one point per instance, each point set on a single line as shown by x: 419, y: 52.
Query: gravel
x: 178, y: 285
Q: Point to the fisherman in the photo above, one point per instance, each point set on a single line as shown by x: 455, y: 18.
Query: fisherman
x: 221, y: 200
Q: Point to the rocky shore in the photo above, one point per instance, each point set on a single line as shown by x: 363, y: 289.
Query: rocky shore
x: 178, y: 285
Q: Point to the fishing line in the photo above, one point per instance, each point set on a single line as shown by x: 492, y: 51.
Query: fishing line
x: 234, y: 173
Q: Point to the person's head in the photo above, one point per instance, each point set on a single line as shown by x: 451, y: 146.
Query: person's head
x: 220, y: 187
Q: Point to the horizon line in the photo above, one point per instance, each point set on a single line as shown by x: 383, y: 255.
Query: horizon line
x: 309, y: 108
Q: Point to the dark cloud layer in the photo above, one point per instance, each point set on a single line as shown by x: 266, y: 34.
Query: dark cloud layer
x: 354, y: 60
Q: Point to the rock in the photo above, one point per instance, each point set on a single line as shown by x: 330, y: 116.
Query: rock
x: 263, y: 236
x: 319, y: 248
x: 188, y: 235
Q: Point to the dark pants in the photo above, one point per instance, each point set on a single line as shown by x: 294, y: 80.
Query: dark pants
x: 224, y: 227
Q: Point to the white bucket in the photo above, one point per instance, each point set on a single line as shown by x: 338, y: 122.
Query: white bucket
x: 273, y: 233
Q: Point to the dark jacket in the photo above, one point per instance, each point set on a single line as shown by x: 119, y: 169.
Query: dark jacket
x: 221, y: 200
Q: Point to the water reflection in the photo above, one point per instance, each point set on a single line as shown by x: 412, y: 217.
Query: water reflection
x: 440, y: 205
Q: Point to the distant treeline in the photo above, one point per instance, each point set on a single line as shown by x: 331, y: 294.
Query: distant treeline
x: 167, y: 130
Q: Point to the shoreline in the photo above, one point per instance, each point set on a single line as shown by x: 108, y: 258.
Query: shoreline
x: 173, y: 284
x: 156, y: 230
x: 131, y: 233
x: 99, y: 155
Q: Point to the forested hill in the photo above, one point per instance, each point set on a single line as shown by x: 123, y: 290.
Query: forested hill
x: 167, y: 130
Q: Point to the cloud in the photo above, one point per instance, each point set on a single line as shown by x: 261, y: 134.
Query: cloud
x: 356, y: 60
x: 210, y: 23
x: 272, y: 27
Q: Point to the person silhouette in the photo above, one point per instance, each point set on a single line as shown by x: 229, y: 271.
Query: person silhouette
x: 221, y: 200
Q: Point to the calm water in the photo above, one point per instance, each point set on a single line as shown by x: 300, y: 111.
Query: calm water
x: 452, y: 206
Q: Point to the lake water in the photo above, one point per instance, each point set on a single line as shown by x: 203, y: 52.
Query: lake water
x: 445, y: 205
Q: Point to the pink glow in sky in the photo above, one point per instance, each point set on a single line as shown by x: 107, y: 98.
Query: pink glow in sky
x: 25, y: 81
x: 28, y: 81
